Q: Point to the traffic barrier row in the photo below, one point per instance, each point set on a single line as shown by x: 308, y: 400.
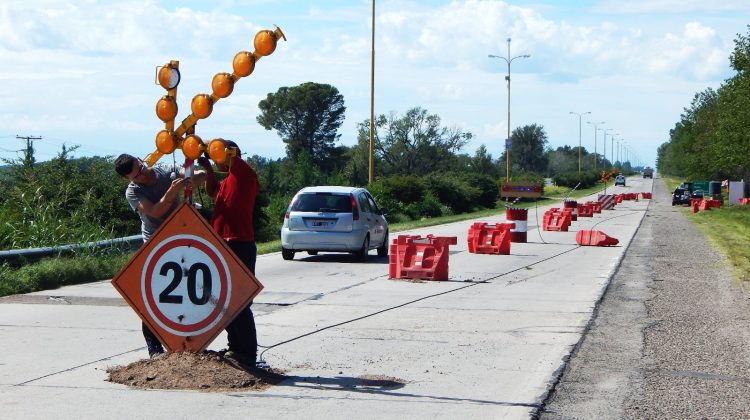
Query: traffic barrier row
x: 484, y: 238
x: 414, y: 257
x: 704, y: 204
x: 646, y: 195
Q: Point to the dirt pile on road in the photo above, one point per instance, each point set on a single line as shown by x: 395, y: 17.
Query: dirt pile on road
x: 205, y: 371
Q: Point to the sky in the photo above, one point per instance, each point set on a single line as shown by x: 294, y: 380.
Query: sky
x: 81, y: 73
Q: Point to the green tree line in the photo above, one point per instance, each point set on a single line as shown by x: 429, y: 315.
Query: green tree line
x: 420, y: 171
x: 712, y: 138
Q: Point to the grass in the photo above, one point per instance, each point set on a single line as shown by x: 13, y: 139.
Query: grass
x: 52, y: 273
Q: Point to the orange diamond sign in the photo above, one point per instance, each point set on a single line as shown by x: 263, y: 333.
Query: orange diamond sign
x: 185, y: 283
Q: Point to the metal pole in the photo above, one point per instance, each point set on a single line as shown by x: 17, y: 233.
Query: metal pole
x: 371, y: 176
x: 596, y: 128
x: 579, y: 136
x: 508, y: 60
x: 507, y: 151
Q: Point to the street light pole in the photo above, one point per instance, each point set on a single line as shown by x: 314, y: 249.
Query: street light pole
x: 507, y: 150
x: 371, y: 174
x: 595, y: 141
x: 605, y: 145
x: 579, y: 136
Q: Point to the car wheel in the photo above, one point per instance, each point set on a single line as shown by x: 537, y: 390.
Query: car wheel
x: 287, y: 254
x: 362, y: 253
x: 383, y: 249
x: 312, y: 252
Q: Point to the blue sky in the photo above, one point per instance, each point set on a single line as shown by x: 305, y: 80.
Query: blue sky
x: 82, y: 72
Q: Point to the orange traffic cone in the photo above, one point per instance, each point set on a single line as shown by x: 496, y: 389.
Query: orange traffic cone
x: 595, y: 238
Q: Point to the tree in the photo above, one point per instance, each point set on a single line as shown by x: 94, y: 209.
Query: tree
x: 527, y: 148
x: 415, y: 143
x: 307, y: 118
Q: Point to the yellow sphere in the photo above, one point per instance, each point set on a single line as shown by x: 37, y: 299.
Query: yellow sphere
x: 202, y: 105
x: 193, y: 146
x: 243, y: 63
x: 166, y: 141
x: 166, y: 108
x: 217, y: 150
x: 265, y: 42
x: 222, y: 84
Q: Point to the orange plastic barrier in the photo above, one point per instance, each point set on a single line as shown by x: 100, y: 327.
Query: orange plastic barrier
x: 484, y: 238
x: 585, y: 210
x: 619, y: 198
x: 704, y: 205
x: 414, y: 257
x: 556, y: 220
x: 596, y: 206
x: 595, y: 238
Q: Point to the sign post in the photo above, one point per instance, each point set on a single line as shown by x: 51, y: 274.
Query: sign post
x: 185, y: 283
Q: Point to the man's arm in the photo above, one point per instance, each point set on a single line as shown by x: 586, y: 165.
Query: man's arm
x: 209, y: 177
x: 159, y: 209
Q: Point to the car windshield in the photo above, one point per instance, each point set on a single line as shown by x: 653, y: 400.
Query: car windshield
x: 323, y: 202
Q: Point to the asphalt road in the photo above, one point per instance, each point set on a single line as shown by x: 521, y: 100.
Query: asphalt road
x: 670, y: 337
x: 490, y: 342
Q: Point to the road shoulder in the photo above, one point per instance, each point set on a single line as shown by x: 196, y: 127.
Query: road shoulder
x: 669, y: 337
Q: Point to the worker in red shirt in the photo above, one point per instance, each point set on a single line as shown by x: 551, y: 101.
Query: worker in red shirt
x: 232, y: 219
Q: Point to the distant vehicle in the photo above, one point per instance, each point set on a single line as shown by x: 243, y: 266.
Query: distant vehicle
x: 648, y: 172
x: 334, y: 219
x: 620, y: 180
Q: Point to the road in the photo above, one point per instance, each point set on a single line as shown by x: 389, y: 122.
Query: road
x: 488, y: 343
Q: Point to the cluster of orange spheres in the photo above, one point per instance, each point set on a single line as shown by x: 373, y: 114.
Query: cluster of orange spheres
x: 193, y: 146
x: 202, y: 104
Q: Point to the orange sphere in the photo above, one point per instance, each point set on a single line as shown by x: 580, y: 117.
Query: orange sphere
x: 166, y: 108
x: 222, y: 84
x: 193, y: 146
x: 265, y: 42
x: 166, y: 141
x: 202, y: 105
x: 243, y: 63
x: 217, y: 150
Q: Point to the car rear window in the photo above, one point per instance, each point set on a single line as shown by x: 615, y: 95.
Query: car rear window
x: 323, y: 202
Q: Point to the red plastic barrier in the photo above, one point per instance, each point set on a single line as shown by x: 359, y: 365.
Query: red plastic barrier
x: 484, y: 238
x: 519, y: 217
x: 704, y: 205
x: 713, y: 203
x: 646, y: 195
x: 595, y: 238
x: 586, y: 210
x: 414, y: 257
x: 619, y: 198
x: 557, y: 220
x: 744, y: 201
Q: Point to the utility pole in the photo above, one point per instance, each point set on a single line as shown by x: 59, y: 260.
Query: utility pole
x: 28, y: 155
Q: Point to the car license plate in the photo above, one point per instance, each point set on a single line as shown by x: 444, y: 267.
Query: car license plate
x: 320, y: 223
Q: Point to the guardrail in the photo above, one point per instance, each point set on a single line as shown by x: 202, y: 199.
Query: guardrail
x: 16, y: 257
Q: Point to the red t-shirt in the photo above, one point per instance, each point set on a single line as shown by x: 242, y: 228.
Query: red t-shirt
x: 233, y: 209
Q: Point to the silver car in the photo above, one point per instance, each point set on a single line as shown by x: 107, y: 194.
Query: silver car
x: 334, y: 219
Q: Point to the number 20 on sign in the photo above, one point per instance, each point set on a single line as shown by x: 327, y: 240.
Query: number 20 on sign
x: 185, y: 283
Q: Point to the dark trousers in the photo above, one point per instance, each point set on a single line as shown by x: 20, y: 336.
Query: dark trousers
x: 241, y: 335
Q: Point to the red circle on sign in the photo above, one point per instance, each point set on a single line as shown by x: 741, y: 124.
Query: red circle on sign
x: 220, y: 303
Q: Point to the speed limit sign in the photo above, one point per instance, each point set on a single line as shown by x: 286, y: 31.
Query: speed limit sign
x: 185, y: 283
